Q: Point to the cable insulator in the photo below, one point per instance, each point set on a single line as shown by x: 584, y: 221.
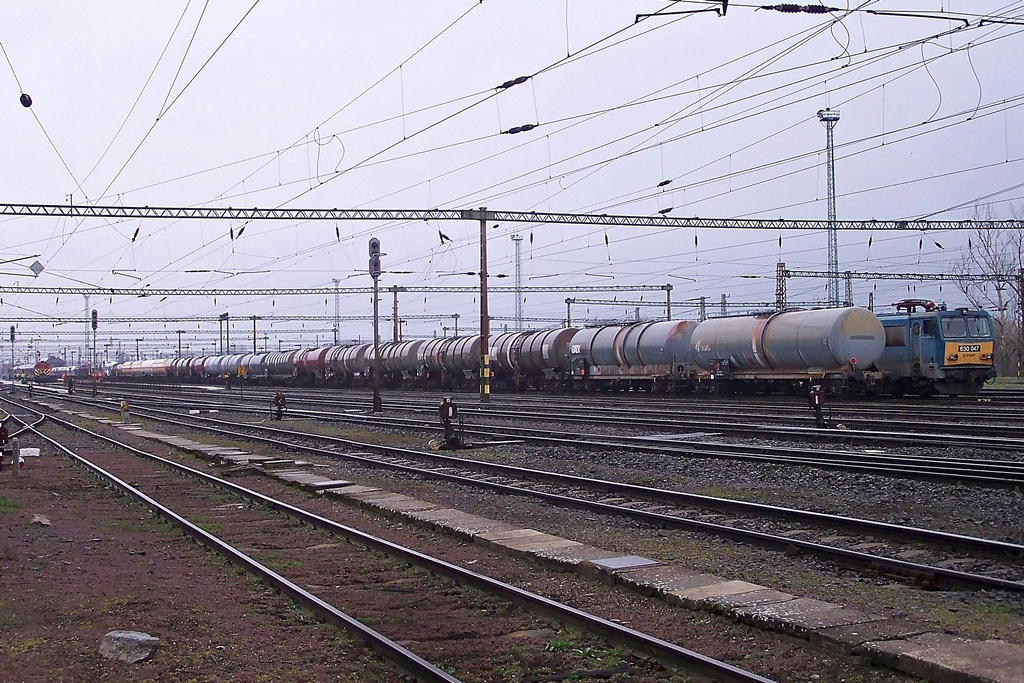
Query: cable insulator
x: 791, y: 8
x: 514, y: 81
x: 26, y: 101
x: 519, y: 129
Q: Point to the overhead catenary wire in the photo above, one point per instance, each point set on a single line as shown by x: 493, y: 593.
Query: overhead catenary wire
x: 251, y: 190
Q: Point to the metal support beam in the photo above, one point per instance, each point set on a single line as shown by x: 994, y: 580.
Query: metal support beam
x: 830, y: 118
x: 300, y: 291
x: 937, y: 277
x: 396, y: 329
x: 660, y: 221
x: 485, y: 321
x: 780, y: 286
x: 1020, y: 322
x: 518, y: 241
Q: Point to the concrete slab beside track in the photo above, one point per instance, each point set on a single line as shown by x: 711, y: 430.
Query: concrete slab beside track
x: 912, y: 648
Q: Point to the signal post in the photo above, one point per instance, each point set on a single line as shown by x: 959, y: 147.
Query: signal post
x: 375, y: 274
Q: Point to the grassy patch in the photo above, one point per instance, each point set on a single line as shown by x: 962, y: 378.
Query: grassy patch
x: 9, y: 620
x: 22, y: 646
x: 210, y: 527
x: 8, y: 505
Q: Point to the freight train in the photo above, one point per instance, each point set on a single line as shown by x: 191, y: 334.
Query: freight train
x: 43, y: 373
x: 846, y: 350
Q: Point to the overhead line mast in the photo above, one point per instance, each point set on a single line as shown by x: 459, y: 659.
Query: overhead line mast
x: 830, y: 118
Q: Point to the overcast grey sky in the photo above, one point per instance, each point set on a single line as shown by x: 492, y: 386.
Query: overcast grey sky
x: 394, y: 105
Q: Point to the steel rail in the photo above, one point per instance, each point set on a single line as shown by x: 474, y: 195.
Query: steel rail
x: 915, y: 418
x: 979, y: 472
x: 662, y: 650
x: 849, y: 435
x: 677, y: 421
x: 986, y: 473
x: 938, y: 576
x: 407, y: 661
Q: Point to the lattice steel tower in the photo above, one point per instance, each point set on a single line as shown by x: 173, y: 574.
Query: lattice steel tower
x: 830, y: 118
x: 518, y: 240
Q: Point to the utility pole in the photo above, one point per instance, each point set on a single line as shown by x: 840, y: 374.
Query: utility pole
x: 86, y: 297
x: 223, y: 318
x: 1020, y: 321
x: 485, y: 320
x: 92, y: 365
x: 830, y: 118
x: 256, y: 317
x: 337, y: 309
x: 396, y: 331
x: 518, y: 241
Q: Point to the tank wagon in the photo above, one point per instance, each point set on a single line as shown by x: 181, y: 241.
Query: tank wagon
x: 532, y: 360
x: 934, y: 350
x: 833, y: 346
x: 644, y: 356
x: 848, y: 350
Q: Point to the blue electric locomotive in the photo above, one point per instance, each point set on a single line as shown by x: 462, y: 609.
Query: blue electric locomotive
x: 934, y: 350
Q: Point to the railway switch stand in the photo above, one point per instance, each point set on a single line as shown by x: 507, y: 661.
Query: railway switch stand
x: 447, y: 412
x: 816, y: 399
x: 279, y: 405
x: 5, y: 445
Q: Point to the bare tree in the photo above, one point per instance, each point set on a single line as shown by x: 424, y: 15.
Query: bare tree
x: 997, y: 255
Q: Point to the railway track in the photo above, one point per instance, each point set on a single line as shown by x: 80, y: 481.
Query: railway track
x: 461, y: 601
x: 941, y: 559
x: 862, y: 426
x: 975, y: 471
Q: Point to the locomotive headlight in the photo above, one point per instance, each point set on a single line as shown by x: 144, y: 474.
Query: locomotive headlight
x: 952, y: 357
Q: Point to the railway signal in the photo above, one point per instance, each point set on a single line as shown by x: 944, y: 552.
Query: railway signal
x: 375, y: 274
x: 92, y: 365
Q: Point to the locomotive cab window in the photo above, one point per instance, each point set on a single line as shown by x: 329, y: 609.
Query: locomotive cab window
x: 954, y: 328
x: 930, y: 327
x: 979, y: 327
x: 895, y: 336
